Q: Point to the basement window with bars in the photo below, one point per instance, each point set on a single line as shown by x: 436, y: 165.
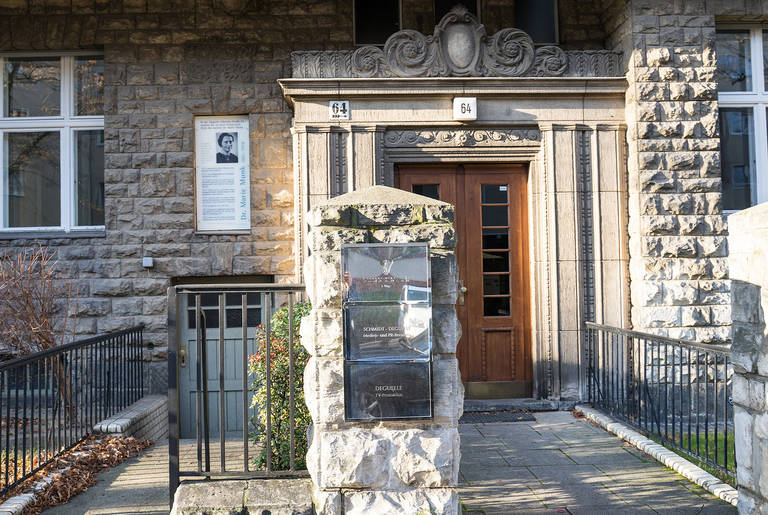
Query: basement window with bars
x: 51, y: 144
x: 742, y: 82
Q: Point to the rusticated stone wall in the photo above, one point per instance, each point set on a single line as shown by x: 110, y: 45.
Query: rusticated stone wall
x: 166, y: 62
x: 678, y: 248
x: 749, y: 353
x: 382, y: 467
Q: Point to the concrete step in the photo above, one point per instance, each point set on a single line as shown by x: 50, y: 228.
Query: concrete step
x: 517, y: 404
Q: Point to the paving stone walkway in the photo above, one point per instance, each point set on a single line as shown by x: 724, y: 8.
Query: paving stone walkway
x: 556, y: 464
x: 560, y: 464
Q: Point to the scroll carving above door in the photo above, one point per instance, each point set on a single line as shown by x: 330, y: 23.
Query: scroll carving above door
x: 459, y: 47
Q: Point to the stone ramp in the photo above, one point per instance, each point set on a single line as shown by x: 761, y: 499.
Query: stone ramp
x: 560, y: 464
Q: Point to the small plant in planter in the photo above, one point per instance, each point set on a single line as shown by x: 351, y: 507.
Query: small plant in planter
x: 280, y: 390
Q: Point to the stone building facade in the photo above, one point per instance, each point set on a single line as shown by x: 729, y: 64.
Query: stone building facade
x: 623, y: 153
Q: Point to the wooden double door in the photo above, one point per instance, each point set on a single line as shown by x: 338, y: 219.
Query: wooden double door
x: 492, y: 227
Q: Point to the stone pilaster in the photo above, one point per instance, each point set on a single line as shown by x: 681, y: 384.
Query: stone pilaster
x: 678, y: 247
x: 749, y: 354
x: 381, y: 467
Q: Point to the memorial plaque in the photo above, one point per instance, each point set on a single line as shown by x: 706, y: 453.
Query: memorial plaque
x: 386, y: 273
x: 388, y: 332
x: 387, y: 391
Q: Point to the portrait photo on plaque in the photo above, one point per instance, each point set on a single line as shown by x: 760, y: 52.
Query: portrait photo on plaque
x: 387, y: 391
x: 386, y: 273
x: 400, y: 331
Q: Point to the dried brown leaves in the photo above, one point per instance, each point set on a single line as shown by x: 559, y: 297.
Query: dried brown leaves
x: 76, y: 470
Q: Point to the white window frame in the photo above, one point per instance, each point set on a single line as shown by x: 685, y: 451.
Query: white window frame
x: 66, y: 123
x: 757, y: 99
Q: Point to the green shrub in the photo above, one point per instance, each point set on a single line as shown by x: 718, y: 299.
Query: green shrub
x: 280, y: 391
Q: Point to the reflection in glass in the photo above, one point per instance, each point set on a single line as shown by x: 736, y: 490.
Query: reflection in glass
x: 494, y: 194
x: 428, y: 190
x: 89, y: 86
x: 377, y: 391
x: 496, y: 306
x: 89, y: 156
x: 734, y: 60
x: 495, y: 238
x: 32, y: 87
x: 496, y: 284
x: 388, y: 332
x: 33, y: 179
x: 495, y: 216
x: 495, y: 262
x: 382, y: 273
x: 737, y: 156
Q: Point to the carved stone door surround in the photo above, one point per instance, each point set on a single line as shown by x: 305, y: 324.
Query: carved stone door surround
x: 566, y: 124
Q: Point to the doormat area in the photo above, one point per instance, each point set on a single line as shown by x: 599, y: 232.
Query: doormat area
x: 491, y: 417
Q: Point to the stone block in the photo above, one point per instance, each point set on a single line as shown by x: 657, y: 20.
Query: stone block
x: 332, y: 238
x: 433, y: 500
x: 328, y: 215
x: 322, y: 333
x: 446, y: 329
x: 322, y: 272
x: 441, y: 236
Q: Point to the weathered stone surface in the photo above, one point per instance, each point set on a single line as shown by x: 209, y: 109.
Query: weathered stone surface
x: 440, y: 236
x: 433, y: 500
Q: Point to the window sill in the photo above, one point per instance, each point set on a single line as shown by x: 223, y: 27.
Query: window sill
x: 55, y: 233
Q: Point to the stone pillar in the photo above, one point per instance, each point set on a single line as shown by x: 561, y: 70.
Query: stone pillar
x: 380, y: 467
x: 677, y: 232
x: 749, y: 352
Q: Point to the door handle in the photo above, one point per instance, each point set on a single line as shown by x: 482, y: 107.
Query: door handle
x: 183, y: 355
x: 462, y: 291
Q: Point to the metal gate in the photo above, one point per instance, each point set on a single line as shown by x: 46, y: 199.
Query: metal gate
x: 213, y: 330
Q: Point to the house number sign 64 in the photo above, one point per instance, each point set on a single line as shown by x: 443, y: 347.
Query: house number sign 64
x: 338, y: 110
x: 465, y: 108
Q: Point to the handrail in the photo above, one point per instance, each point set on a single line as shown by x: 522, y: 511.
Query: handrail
x: 67, y: 347
x: 713, y: 348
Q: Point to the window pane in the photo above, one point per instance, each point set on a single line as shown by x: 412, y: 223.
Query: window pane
x: 428, y: 190
x: 495, y: 238
x: 494, y: 194
x: 495, y: 285
x: 494, y: 215
x: 495, y: 262
x: 89, y: 86
x: 376, y: 21
x: 734, y: 60
x: 89, y: 156
x: 32, y: 87
x: 496, y: 306
x: 537, y: 19
x: 737, y: 156
x: 33, y: 179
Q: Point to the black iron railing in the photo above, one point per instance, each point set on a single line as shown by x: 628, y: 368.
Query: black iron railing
x: 228, y: 408
x: 676, y: 391
x: 51, y: 400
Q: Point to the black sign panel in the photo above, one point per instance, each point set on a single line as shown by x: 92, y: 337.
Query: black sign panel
x: 381, y: 391
x: 400, y: 331
x: 387, y: 331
